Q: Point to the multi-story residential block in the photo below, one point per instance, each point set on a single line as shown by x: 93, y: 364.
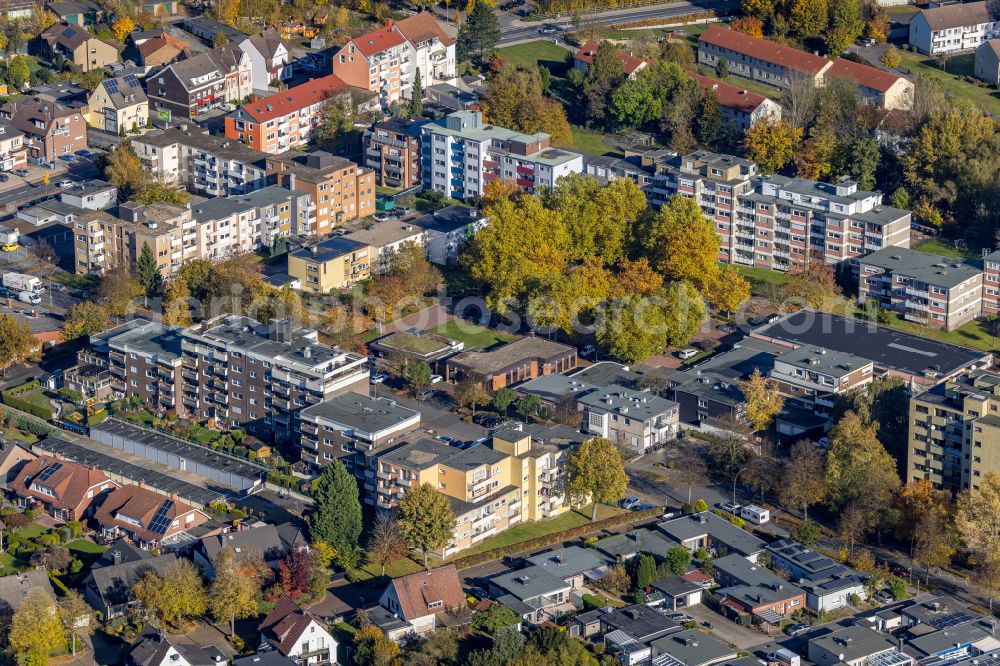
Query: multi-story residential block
x: 288, y: 119
x: 991, y: 283
x: 245, y: 222
x: 349, y: 424
x: 66, y: 490
x: 386, y: 60
x: 268, y: 58
x: 146, y: 517
x: 509, y: 364
x: 636, y: 421
x: 741, y: 109
x: 949, y: 28
x: 144, y: 360
x: 340, y: 190
x: 462, y: 153
x: 386, y: 239
x: 50, y: 128
x: 491, y: 488
x: 242, y: 373
x: 954, y: 435
x: 101, y: 241
x: 209, y: 80
x: 119, y: 104
x: 540, y: 458
x: 778, y: 65
x: 759, y: 60
x: 922, y: 288
x: 584, y: 57
x: 814, y: 376
x: 13, y: 149
x: 81, y: 48
x: 204, y: 164
x: 392, y: 151
x: 987, y: 65
x: 333, y: 264
x: 786, y: 222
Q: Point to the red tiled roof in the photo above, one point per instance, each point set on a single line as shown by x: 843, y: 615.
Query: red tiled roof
x: 697, y: 577
x: 421, y: 27
x: 285, y: 624
x: 378, y: 40
x: 293, y: 99
x: 142, y: 504
x: 863, y: 75
x: 730, y: 96
x: 418, y: 590
x: 587, y: 51
x: 70, y: 482
x: 765, y: 50
x: 153, y: 45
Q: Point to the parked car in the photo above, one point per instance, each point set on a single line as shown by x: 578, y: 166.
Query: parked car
x: 4, y: 178
x: 726, y: 328
x: 729, y: 507
x: 436, y: 378
x: 58, y: 286
x: 885, y: 596
x: 681, y: 618
x: 449, y: 439
x: 587, y: 350
x: 798, y: 628
x: 642, y: 507
x: 378, y: 378
x: 548, y: 29
x: 628, y: 502
x: 685, y: 354
x: 9, y: 247
x: 65, y: 183
x: 67, y: 158
x: 21, y: 172
x: 492, y: 423
x: 84, y: 153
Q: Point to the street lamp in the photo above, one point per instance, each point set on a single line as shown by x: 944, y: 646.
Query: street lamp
x: 742, y: 469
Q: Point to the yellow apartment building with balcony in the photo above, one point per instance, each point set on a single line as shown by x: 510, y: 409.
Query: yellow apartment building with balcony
x: 491, y: 487
x: 333, y: 264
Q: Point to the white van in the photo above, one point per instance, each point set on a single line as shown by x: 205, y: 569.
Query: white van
x: 755, y: 514
x: 784, y: 657
x: 29, y: 297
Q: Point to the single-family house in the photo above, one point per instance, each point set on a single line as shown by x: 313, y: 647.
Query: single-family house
x: 750, y: 589
x: 109, y: 589
x: 709, y: 531
x: 532, y: 592
x: 297, y: 634
x: 268, y: 55
x: 12, y: 458
x: 856, y: 646
x: 626, y: 546
x: 575, y: 565
x: 15, y: 588
x: 154, y: 649
x: 146, y: 517
x: 162, y: 50
x: 78, y: 46
x: 270, y: 542
x: 678, y: 592
x: 692, y: 648
x: 584, y: 58
x: 67, y: 490
x: 119, y: 105
x: 419, y: 598
x: 828, y: 584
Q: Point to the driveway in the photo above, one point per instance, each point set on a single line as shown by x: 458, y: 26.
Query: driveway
x: 424, y: 320
x: 743, y: 638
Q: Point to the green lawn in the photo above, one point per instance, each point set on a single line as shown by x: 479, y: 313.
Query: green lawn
x: 539, y: 52
x: 528, y: 531
x: 945, y: 248
x: 10, y: 564
x: 84, y: 547
x: 36, y: 397
x: 415, y: 343
x: 403, y: 567
x: 954, y: 87
x: 591, y: 142
x: 74, y: 281
x: 473, y: 335
x: 758, y: 276
x: 20, y: 435
x: 31, y: 531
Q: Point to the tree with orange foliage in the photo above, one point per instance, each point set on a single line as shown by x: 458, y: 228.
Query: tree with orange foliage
x: 749, y: 25
x: 499, y: 190
x: 636, y: 277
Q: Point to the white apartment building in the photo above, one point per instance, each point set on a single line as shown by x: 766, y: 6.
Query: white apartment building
x: 204, y: 164
x: 922, y: 288
x: 430, y: 49
x: 953, y: 28
x: 637, y: 421
x: 245, y: 222
x: 461, y: 154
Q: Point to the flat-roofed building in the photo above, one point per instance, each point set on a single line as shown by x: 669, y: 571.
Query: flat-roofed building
x: 637, y: 421
x: 430, y: 348
x: 102, y: 240
x: 332, y: 264
x: 511, y: 363
x: 143, y: 359
x: 386, y: 239
x: 350, y: 424
x: 814, y: 377
x: 392, y: 152
x: 923, y: 288
x: 340, y: 190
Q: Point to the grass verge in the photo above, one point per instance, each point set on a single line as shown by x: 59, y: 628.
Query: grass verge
x: 945, y: 248
x: 473, y: 335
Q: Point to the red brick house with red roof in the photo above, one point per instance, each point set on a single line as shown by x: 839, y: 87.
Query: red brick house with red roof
x: 146, y: 517
x: 297, y: 634
x: 287, y: 119
x: 584, y: 57
x: 66, y: 490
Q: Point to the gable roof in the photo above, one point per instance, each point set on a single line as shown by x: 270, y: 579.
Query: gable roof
x: 66, y: 34
x: 124, y: 91
x: 14, y: 588
x: 586, y: 54
x: 956, y: 16
x: 285, y: 624
x: 223, y: 60
x: 423, y: 27
x: 718, y: 529
x: 293, y: 99
x: 730, y: 96
x: 114, y: 584
x: 270, y: 541
x: 267, y: 43
x: 863, y: 75
x: 69, y: 481
x: 161, y: 41
x: 154, y: 512
x: 378, y: 40
x: 417, y: 591
x: 763, y: 49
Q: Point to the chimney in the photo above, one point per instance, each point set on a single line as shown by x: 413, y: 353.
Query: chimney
x: 314, y: 250
x: 116, y: 556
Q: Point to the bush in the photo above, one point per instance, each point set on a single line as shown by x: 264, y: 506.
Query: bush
x: 806, y: 533
x: 16, y: 521
x: 11, y: 400
x: 76, y: 528
x: 76, y: 565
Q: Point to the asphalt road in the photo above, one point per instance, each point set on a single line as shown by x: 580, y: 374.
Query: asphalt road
x: 513, y: 29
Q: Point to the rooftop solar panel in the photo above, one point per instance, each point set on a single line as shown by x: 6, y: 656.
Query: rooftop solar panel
x: 951, y: 620
x: 111, y: 85
x: 131, y: 80
x: 161, y: 521
x: 49, y: 471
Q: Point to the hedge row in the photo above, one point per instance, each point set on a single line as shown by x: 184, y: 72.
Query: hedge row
x: 10, y: 398
x: 622, y: 519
